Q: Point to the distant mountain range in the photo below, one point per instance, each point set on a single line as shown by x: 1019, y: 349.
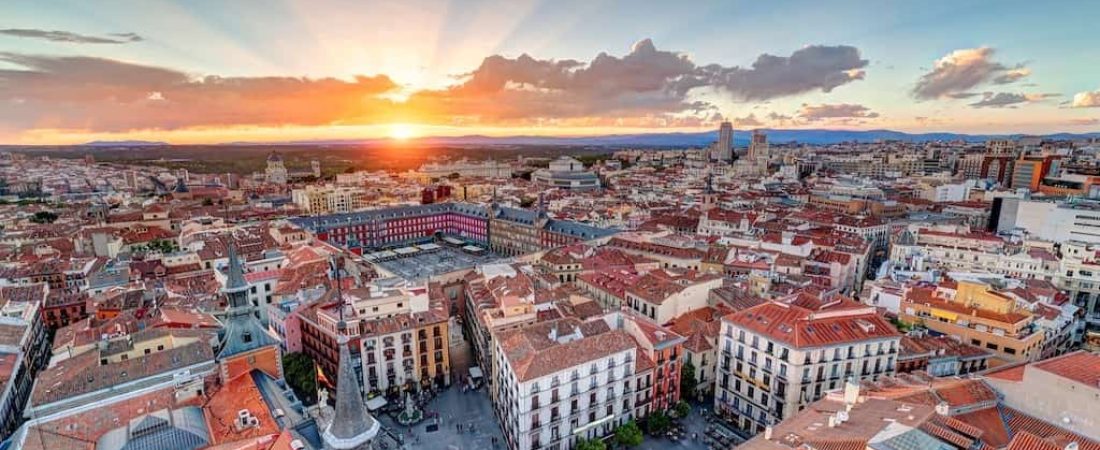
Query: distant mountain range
x: 125, y: 144
x: 651, y: 139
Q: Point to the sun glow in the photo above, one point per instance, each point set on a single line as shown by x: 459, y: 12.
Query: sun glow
x: 402, y: 131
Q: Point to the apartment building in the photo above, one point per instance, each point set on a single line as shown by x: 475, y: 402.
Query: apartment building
x: 665, y: 294
x: 400, y: 336
x: 561, y: 381
x: 777, y: 358
x: 975, y: 312
x: 328, y: 199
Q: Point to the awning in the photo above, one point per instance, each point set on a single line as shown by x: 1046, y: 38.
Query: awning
x: 945, y: 315
x: 377, y: 402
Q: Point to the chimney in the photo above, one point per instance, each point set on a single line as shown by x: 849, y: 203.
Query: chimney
x: 851, y: 392
x: 768, y: 433
x: 832, y: 420
x: 942, y: 408
x: 788, y: 237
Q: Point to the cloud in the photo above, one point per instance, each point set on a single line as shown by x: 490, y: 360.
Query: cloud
x: 965, y: 69
x: 68, y: 36
x: 646, y: 81
x: 76, y: 92
x: 1007, y: 99
x: 646, y: 87
x: 1087, y: 99
x: 1012, y: 75
x: 816, y: 67
x: 839, y: 111
x: 1085, y: 121
x: 747, y: 121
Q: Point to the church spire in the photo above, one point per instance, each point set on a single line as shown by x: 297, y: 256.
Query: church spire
x: 352, y: 427
x: 242, y: 331
x: 235, y: 286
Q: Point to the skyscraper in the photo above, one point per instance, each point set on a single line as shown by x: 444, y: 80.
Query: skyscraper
x: 758, y: 146
x: 723, y: 149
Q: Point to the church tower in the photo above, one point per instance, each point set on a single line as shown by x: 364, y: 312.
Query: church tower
x: 245, y: 344
x: 352, y: 427
x: 710, y: 197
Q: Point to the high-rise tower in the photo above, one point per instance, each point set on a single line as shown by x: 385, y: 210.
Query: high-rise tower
x: 723, y: 149
x: 758, y: 146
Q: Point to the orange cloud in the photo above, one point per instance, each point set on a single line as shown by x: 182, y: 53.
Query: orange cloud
x: 647, y: 87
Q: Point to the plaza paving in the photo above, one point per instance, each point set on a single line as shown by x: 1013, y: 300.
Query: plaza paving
x: 420, y: 266
x: 474, y: 412
x: 471, y: 409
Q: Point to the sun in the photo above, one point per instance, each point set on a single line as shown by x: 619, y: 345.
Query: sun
x: 402, y: 131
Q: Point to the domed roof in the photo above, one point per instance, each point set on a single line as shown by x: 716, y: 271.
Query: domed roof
x: 274, y: 157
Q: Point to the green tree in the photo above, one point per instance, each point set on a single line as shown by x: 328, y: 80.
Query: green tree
x: 44, y: 217
x: 688, y: 383
x: 682, y: 409
x: 591, y: 444
x: 657, y: 423
x: 629, y: 435
x: 301, y: 375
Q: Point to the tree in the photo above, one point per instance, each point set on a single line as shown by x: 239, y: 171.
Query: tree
x: 688, y: 383
x: 162, y: 245
x: 44, y: 217
x: 629, y: 435
x: 682, y: 409
x: 657, y: 423
x: 591, y: 444
x: 301, y: 375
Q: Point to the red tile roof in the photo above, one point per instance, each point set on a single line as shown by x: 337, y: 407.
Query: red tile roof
x: 803, y: 327
x: 1080, y: 366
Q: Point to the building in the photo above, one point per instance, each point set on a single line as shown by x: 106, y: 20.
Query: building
x: 465, y: 168
x: 723, y: 148
x: 566, y: 173
x: 975, y: 312
x: 778, y: 358
x: 665, y: 294
x: 1058, y: 392
x: 1029, y: 172
x: 328, y: 199
x: 563, y: 380
x: 940, y: 356
x: 1052, y: 220
x: 758, y: 146
x: 24, y: 350
x: 275, y: 172
x: 399, y: 335
x: 352, y: 427
x: 506, y: 231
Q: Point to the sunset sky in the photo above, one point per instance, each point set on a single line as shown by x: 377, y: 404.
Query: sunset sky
x: 216, y: 71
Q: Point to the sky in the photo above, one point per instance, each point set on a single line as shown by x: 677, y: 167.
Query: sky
x: 282, y: 70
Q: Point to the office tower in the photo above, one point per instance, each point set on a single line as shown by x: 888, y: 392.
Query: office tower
x: 723, y: 149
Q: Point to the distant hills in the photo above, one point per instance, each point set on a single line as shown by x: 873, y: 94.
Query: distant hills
x: 125, y: 144
x: 649, y: 139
